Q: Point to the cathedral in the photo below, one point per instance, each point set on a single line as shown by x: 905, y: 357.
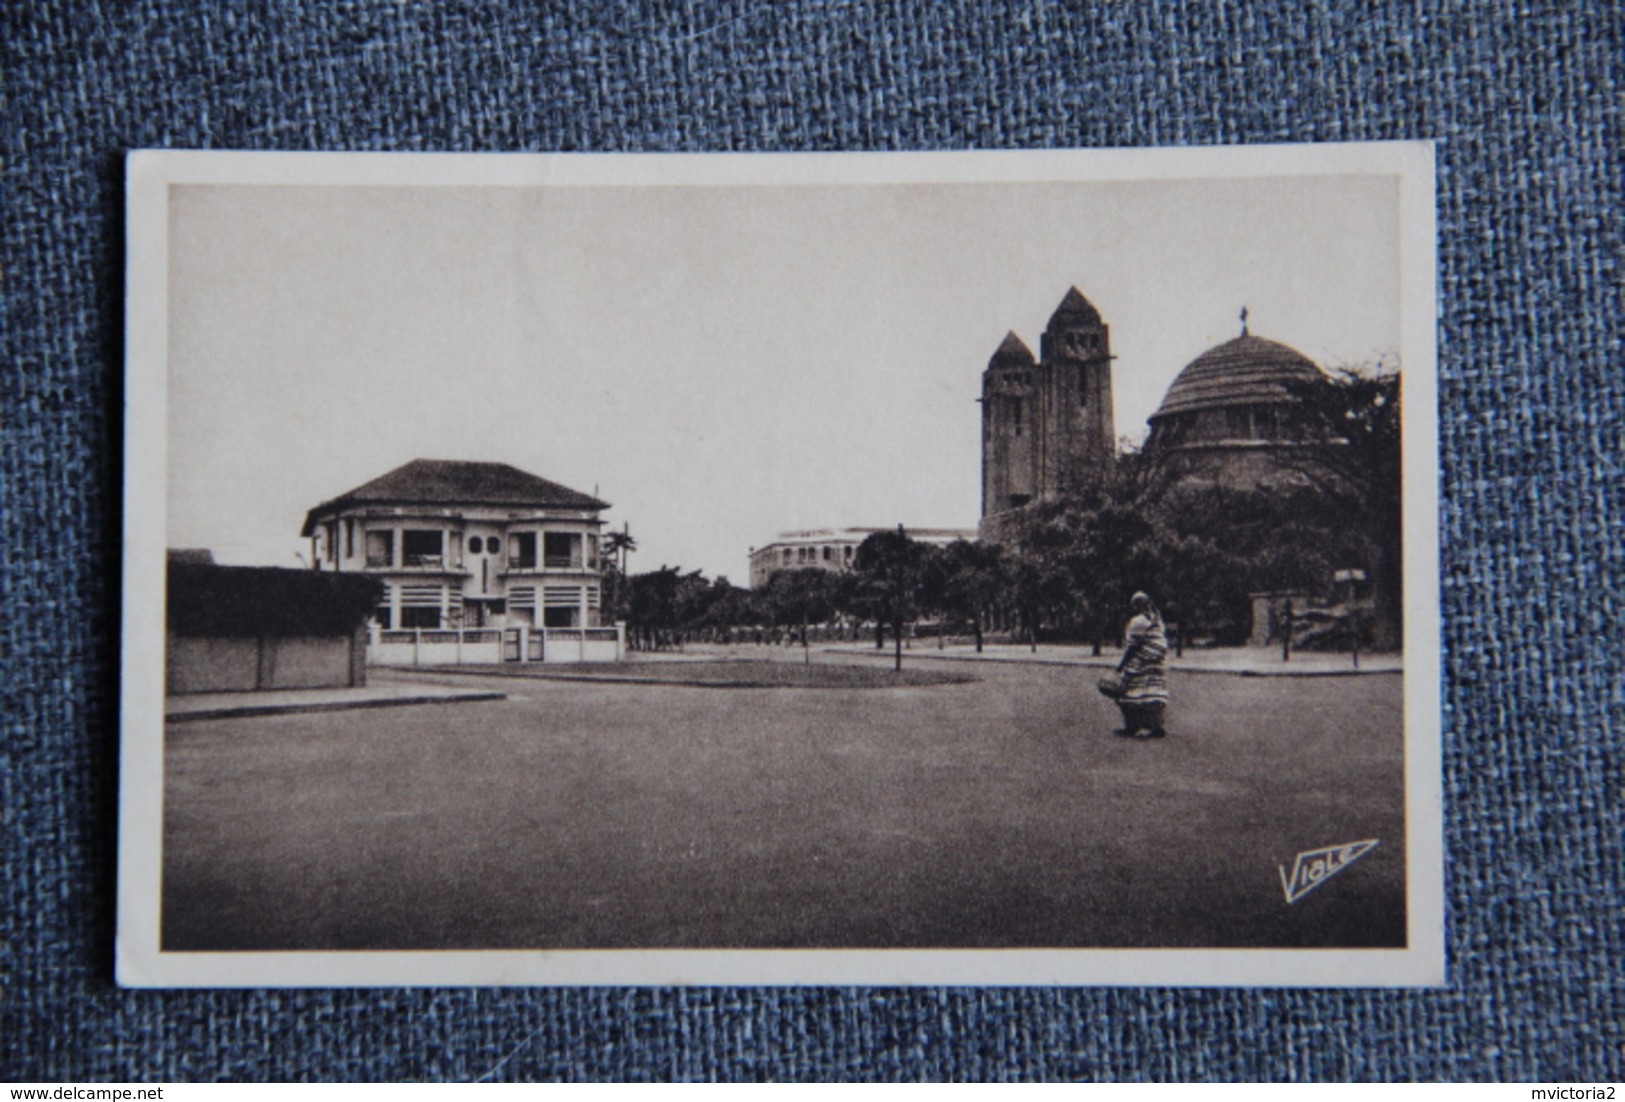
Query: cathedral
x: 1047, y: 427
x: 1232, y: 418
x: 1243, y: 416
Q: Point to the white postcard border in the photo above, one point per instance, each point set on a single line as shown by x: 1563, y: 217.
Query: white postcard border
x: 141, y: 962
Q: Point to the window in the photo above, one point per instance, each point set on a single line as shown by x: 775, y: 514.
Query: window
x: 423, y: 547
x: 826, y: 552
x: 1018, y: 500
x: 561, y: 549
x: 1083, y: 386
x: 1200, y: 427
x: 561, y: 606
x: 349, y: 537
x: 1015, y: 412
x: 561, y: 617
x: 380, y: 616
x: 475, y: 545
x: 420, y: 617
x: 522, y: 551
x: 592, y: 552
x: 381, y: 548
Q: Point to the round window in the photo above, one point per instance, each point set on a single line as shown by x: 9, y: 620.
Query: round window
x: 475, y: 545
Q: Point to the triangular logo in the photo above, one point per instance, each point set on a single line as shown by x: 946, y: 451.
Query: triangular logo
x: 1314, y: 867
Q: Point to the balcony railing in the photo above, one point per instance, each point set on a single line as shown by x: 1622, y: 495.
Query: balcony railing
x: 523, y: 566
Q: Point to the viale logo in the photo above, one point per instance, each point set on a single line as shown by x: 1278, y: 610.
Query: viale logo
x: 1313, y: 868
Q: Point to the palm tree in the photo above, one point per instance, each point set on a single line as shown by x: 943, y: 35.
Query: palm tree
x: 620, y: 543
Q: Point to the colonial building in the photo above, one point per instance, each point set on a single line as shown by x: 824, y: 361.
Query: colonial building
x: 831, y: 548
x: 467, y: 546
x: 1047, y: 424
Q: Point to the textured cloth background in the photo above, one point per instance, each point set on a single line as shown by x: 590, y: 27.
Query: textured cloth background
x: 1525, y: 101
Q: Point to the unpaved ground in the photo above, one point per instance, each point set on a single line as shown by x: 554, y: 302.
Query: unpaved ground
x: 995, y: 812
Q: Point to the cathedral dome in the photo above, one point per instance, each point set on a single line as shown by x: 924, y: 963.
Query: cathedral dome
x: 1247, y: 371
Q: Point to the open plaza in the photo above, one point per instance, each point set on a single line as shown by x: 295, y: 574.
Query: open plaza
x: 754, y: 801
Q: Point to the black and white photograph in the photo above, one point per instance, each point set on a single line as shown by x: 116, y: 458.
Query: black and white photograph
x: 983, y: 568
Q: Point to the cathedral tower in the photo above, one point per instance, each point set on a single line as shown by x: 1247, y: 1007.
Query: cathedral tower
x: 1010, y: 420
x: 1047, y: 426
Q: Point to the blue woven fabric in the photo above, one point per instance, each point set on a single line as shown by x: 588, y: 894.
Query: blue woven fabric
x: 1525, y: 102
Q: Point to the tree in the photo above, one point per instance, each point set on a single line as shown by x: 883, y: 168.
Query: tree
x: 1200, y: 587
x: 1042, y: 580
x: 690, y: 600
x: 617, y: 587
x: 652, y: 615
x: 722, y: 608
x: 972, y: 580
x: 889, y: 568
x: 1357, y: 410
x: 801, y: 597
x: 1076, y: 561
x: 620, y: 544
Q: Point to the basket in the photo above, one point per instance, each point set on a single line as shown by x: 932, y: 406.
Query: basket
x: 1111, y: 686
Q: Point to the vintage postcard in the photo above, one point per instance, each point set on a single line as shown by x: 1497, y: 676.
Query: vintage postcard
x: 961, y: 568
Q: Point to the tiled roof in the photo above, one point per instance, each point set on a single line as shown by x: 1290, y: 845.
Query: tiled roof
x: 451, y: 483
x: 1245, y: 371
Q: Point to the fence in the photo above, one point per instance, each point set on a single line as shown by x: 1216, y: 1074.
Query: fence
x: 491, y: 646
x: 576, y: 644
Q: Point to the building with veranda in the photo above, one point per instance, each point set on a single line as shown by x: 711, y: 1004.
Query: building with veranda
x: 471, y: 547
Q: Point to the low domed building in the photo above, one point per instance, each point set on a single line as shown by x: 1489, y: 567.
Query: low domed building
x: 1237, y: 417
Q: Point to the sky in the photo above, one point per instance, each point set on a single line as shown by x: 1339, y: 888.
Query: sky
x: 720, y: 363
